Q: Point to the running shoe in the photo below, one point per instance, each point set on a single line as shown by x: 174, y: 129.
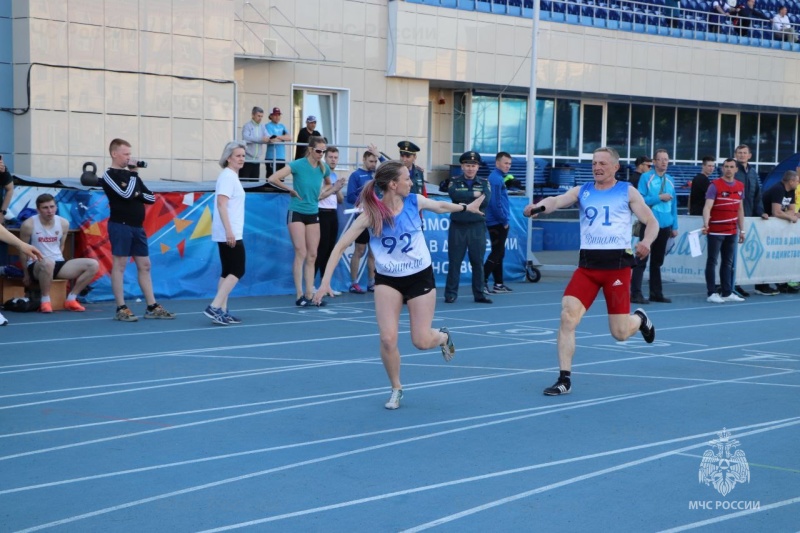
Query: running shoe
x: 371, y: 288
x: 715, y: 298
x: 448, y: 348
x: 45, y: 307
x: 73, y: 305
x: 741, y: 292
x: 394, y: 399
x: 562, y: 386
x: 647, y: 328
x: 217, y: 315
x: 501, y: 289
x: 302, y: 302
x: 486, y: 289
x: 732, y: 297
x: 355, y: 288
x: 766, y: 290
x: 158, y: 312
x: 124, y: 314
x: 3, y: 320
x: 231, y: 319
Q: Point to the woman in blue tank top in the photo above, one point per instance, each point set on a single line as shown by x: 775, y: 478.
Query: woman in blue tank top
x: 402, y: 264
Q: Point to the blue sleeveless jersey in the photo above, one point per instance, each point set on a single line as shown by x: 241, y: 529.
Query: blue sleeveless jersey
x: 605, y: 218
x: 400, y: 250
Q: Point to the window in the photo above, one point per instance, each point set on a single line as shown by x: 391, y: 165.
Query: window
x: 545, y: 121
x: 727, y: 135
x: 768, y: 138
x: 513, y: 125
x: 748, y: 132
x: 332, y: 109
x: 641, y: 130
x: 568, y: 114
x: 592, y: 138
x: 484, y: 123
x: 459, y: 123
x: 617, y: 124
x: 664, y: 129
x: 686, y: 137
x: 787, y: 136
x: 707, y: 133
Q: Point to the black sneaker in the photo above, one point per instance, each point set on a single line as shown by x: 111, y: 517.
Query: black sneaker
x: 741, y: 292
x: 647, y: 328
x: 562, y: 386
x: 765, y: 289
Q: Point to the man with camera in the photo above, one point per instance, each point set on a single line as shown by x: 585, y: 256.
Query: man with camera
x: 127, y: 195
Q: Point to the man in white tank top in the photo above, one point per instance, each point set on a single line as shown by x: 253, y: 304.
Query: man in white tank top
x: 47, y: 232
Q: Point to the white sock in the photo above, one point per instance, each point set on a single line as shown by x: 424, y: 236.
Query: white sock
x: 71, y: 297
x: 45, y: 299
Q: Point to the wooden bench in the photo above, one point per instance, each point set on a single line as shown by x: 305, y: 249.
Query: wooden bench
x: 14, y: 288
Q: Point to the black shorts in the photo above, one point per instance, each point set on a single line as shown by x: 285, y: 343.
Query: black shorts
x: 59, y: 265
x: 409, y: 286
x: 363, y: 237
x: 292, y: 216
x: 232, y: 259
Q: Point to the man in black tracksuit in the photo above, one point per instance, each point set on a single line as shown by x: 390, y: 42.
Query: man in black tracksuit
x: 467, y: 230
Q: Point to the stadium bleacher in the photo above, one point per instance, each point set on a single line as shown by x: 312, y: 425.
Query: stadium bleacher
x: 692, y: 20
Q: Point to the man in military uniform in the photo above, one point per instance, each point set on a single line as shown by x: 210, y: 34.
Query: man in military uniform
x: 467, y: 230
x: 408, y: 156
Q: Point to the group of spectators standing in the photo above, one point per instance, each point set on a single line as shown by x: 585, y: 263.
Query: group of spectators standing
x: 723, y: 203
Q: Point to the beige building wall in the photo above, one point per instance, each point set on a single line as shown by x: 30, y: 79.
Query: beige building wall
x: 481, y: 48
x: 79, y: 105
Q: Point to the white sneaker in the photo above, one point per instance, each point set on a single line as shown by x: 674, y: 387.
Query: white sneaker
x: 394, y: 399
x: 716, y: 299
x: 732, y: 297
x: 337, y: 293
x: 3, y: 320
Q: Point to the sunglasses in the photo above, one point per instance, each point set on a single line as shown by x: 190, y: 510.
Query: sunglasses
x: 320, y: 152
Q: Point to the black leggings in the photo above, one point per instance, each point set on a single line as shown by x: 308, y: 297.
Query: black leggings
x: 494, y: 263
x: 328, y: 232
x: 232, y: 259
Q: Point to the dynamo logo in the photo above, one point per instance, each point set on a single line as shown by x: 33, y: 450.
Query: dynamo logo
x: 751, y: 251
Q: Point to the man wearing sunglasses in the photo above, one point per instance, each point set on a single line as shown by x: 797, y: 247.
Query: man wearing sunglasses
x: 643, y: 164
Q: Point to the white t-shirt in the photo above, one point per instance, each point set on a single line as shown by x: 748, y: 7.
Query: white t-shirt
x: 228, y: 184
x: 781, y: 23
x: 330, y: 202
x: 48, y: 240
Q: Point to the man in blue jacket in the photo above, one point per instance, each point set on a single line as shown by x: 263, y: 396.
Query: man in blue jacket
x: 658, y: 190
x: 355, y: 183
x: 497, y: 216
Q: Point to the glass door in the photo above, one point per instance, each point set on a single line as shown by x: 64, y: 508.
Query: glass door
x: 728, y: 134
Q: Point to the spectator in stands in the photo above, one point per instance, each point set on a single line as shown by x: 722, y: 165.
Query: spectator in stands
x: 779, y: 201
x: 127, y: 194
x: 747, y: 14
x: 783, y: 26
x: 329, y: 201
x: 311, y: 177
x: 497, y: 218
x: 720, y: 10
x: 467, y: 231
x: 408, y: 156
x: 227, y: 230
x: 305, y: 134
x: 697, y: 196
x: 25, y: 248
x: 643, y: 164
x: 658, y: 190
x: 6, y: 190
x: 722, y: 214
x: 355, y: 184
x: 276, y: 133
x: 48, y: 233
x: 605, y: 258
x: 751, y: 204
x: 254, y: 135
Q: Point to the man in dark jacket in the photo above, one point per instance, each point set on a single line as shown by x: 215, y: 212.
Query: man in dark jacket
x: 467, y: 230
x: 305, y: 134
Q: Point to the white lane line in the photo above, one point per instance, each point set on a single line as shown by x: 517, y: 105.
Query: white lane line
x: 363, y: 450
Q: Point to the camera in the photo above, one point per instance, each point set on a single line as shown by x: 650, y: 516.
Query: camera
x: 137, y: 164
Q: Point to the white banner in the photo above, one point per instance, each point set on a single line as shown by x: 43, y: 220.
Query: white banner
x: 769, y: 254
